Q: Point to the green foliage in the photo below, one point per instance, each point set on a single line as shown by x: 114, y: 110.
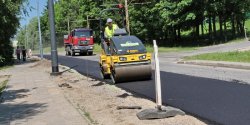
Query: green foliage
x: 9, y: 22
x: 170, y: 22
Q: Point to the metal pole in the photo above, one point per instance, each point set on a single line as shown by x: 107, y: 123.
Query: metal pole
x: 39, y: 30
x: 68, y: 26
x: 25, y: 43
x: 157, y: 77
x: 54, y: 56
x: 127, y: 16
x: 87, y: 21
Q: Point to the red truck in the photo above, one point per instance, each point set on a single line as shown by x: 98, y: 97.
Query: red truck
x: 80, y: 41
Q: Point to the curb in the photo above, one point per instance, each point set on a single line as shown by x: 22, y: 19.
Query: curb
x: 235, y: 65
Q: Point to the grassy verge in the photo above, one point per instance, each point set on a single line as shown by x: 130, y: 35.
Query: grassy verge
x: 170, y: 49
x: 2, y: 86
x: 225, y: 56
x: 5, y: 67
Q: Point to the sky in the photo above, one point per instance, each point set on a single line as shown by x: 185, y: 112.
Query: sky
x: 33, y: 13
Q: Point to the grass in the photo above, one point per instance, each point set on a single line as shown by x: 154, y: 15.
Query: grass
x: 5, y: 67
x: 224, y: 56
x: 150, y: 48
x: 3, y: 85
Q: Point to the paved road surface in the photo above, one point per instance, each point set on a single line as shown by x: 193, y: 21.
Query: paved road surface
x: 217, y: 94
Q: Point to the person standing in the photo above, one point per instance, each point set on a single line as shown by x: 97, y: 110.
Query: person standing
x: 24, y: 53
x: 18, y: 53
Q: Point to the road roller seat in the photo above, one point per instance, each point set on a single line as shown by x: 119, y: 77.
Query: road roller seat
x: 120, y: 32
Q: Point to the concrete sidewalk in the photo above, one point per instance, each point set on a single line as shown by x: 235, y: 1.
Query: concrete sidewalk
x: 31, y: 98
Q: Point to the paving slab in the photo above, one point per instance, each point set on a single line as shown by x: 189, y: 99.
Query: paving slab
x: 31, y: 98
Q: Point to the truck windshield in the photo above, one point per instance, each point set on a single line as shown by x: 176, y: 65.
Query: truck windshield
x: 128, y: 45
x: 83, y: 33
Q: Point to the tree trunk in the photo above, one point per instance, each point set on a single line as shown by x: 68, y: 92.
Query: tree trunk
x: 209, y: 27
x: 202, y: 29
x: 221, y: 26
x: 198, y: 30
x: 214, y: 26
x: 179, y: 34
x: 233, y: 25
x: 225, y: 29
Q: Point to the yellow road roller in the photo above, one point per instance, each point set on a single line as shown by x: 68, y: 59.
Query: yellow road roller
x: 125, y: 58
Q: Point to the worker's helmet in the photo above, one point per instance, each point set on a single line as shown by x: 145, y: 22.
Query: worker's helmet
x: 109, y: 20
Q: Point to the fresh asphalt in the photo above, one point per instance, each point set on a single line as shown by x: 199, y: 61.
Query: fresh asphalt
x: 221, y: 101
x: 220, y: 95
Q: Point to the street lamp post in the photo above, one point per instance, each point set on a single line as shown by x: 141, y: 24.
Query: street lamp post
x: 54, y: 56
x: 39, y: 30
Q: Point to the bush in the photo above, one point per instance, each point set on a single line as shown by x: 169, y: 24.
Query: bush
x: 6, y: 54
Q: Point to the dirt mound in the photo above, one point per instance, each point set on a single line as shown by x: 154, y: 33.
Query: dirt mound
x: 42, y: 63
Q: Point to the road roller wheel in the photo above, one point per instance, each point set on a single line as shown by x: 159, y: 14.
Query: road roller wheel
x: 103, y: 75
x: 113, y: 78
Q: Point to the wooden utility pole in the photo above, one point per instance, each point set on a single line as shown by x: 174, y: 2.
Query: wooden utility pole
x: 68, y: 26
x: 127, y: 16
x: 87, y: 21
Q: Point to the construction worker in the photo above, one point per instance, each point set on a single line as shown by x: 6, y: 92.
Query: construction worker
x: 110, y: 29
x: 18, y: 53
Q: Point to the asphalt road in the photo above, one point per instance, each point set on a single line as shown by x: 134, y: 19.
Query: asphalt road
x: 217, y: 94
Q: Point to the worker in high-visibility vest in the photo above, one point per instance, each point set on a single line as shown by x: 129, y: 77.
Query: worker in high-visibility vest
x: 110, y: 29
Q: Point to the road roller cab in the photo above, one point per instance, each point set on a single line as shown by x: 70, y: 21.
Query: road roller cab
x: 125, y: 59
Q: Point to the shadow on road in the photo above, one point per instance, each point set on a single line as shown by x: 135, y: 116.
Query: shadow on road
x: 216, y: 100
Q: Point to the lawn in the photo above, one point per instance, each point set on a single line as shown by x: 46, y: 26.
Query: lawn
x: 2, y: 86
x: 224, y: 56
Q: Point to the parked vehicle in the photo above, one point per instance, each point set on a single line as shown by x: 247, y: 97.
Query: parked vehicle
x: 80, y: 41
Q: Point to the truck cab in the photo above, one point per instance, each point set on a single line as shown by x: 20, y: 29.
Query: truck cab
x: 80, y: 41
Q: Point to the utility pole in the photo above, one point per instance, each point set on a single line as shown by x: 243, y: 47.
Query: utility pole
x: 26, y: 37
x: 127, y: 16
x: 68, y: 26
x: 39, y: 30
x: 87, y: 21
x: 54, y: 56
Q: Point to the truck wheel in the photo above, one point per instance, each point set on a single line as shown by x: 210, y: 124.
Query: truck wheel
x: 90, y: 53
x: 83, y: 53
x: 72, y: 53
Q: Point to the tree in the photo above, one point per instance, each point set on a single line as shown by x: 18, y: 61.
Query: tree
x: 9, y: 22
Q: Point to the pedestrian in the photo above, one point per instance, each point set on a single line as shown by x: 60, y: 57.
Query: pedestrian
x: 24, y: 53
x: 29, y: 53
x: 18, y: 53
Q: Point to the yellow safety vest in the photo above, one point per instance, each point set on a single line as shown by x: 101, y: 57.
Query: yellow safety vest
x: 110, y: 32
